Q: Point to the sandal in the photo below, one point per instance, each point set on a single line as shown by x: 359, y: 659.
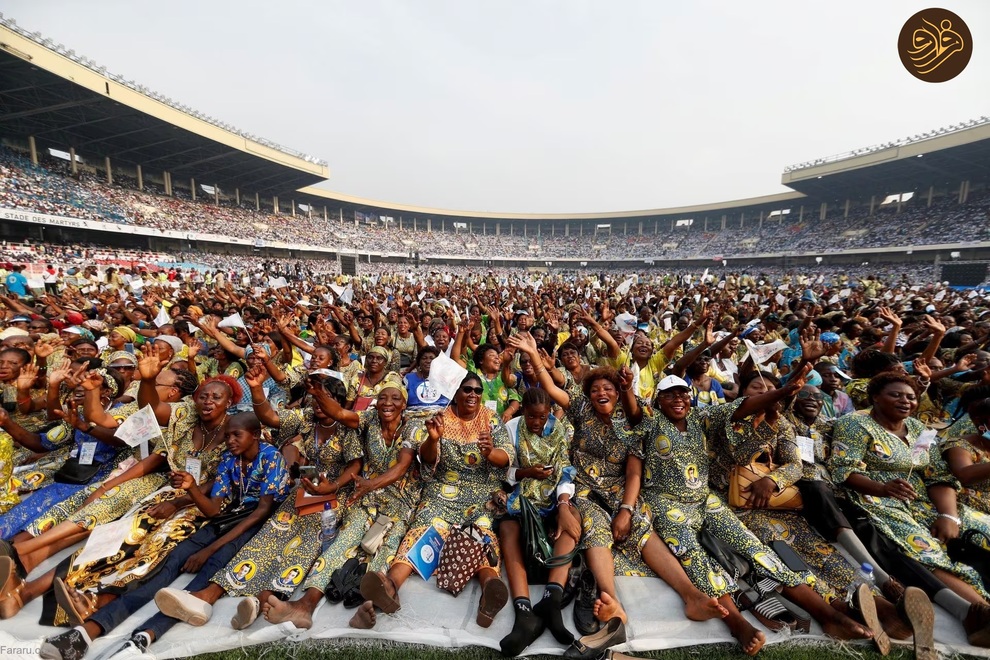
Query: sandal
x: 494, y: 596
x: 69, y: 600
x: 919, y: 612
x: 378, y: 588
x: 10, y: 593
x: 867, y: 608
x: 768, y: 610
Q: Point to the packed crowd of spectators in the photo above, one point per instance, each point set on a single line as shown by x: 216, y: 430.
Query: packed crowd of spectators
x: 50, y: 188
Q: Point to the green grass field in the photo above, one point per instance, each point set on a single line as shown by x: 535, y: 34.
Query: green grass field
x: 317, y: 650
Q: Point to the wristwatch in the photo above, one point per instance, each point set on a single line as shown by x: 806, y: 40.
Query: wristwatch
x: 627, y: 507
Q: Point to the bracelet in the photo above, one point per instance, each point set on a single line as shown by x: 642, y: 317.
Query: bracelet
x: 566, y: 502
x: 954, y: 519
x: 627, y: 507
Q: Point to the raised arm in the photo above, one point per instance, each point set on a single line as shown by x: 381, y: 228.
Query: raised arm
x: 267, y: 415
x: 21, y: 436
x: 890, y: 343
x: 526, y: 343
x: 209, y: 326
x: 938, y: 333
x: 150, y: 366
x: 759, y: 402
x: 329, y: 405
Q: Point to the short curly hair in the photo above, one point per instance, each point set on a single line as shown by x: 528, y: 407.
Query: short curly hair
x: 600, y: 373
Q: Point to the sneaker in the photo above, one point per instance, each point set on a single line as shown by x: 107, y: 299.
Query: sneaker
x: 183, y: 606
x: 136, y: 646
x: 584, y: 605
x: 70, y: 645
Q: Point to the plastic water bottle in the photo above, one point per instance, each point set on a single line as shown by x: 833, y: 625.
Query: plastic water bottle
x: 863, y: 576
x: 328, y: 526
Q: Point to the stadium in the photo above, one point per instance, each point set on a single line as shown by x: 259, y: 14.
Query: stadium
x: 144, y: 172
x: 100, y: 174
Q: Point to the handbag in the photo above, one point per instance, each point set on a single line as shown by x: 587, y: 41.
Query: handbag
x: 307, y: 504
x: 462, y: 555
x: 375, y: 535
x: 228, y: 519
x: 727, y: 558
x: 742, y: 477
x: 74, y: 472
x: 536, y: 541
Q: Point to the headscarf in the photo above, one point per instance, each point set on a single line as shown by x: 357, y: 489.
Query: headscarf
x: 172, y: 341
x: 121, y: 355
x: 379, y: 350
x: 392, y: 381
x: 109, y: 381
x: 129, y: 335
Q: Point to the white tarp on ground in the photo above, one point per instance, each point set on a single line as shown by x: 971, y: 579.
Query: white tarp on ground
x: 428, y: 616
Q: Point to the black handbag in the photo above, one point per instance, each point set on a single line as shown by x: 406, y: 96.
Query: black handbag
x: 228, y: 519
x: 74, y: 472
x: 734, y: 565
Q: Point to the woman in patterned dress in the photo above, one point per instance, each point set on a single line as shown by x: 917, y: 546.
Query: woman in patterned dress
x: 607, y: 454
x: 269, y: 567
x: 903, y: 485
x: 467, y: 450
x: 194, y: 435
x: 542, y: 473
x: 47, y: 535
x: 966, y: 448
x: 385, y: 487
x: 676, y: 490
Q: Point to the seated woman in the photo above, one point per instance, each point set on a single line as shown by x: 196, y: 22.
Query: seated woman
x: 251, y: 477
x: 278, y: 557
x: 608, y: 459
x: 192, y: 441
x: 543, y: 475
x: 966, y: 448
x: 676, y: 490
x: 113, y: 498
x: 386, y: 491
x: 467, y: 450
x: 417, y: 381
x: 889, y: 471
x: 90, y: 461
x: 363, y: 389
x: 753, y: 429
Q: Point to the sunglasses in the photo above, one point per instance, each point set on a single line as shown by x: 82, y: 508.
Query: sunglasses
x: 467, y: 389
x: 810, y: 395
x: 670, y: 396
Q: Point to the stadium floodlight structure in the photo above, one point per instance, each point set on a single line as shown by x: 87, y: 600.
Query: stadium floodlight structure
x: 944, y: 130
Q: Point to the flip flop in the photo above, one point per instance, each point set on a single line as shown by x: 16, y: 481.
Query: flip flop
x: 377, y: 588
x: 867, y: 609
x: 768, y: 610
x: 247, y: 613
x: 921, y: 615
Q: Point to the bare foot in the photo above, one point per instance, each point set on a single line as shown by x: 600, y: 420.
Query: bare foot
x: 703, y: 608
x: 840, y: 626
x: 280, y: 611
x: 750, y: 639
x: 891, y: 621
x: 365, y: 616
x: 607, y: 608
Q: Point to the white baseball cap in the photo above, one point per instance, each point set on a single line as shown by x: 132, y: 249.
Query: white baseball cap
x: 670, y: 382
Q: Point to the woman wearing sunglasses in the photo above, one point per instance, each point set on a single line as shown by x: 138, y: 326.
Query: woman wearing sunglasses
x: 467, y: 449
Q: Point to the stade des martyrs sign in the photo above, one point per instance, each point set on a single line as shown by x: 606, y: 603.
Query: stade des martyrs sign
x: 15, y: 215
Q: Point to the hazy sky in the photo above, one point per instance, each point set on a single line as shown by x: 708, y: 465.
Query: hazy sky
x: 542, y: 106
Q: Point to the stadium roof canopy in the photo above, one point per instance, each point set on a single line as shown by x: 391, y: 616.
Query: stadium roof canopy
x: 941, y: 158
x: 68, y: 101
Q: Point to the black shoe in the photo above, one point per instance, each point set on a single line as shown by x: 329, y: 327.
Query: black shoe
x: 584, y: 604
x: 591, y: 647
x: 573, y: 579
x: 526, y: 630
x: 69, y: 645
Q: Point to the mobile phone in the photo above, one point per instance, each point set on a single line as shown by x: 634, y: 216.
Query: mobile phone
x: 309, y: 472
x: 788, y: 556
x: 129, y: 347
x: 548, y: 467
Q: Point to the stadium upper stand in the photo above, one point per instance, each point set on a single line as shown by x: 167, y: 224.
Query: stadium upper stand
x: 149, y: 174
